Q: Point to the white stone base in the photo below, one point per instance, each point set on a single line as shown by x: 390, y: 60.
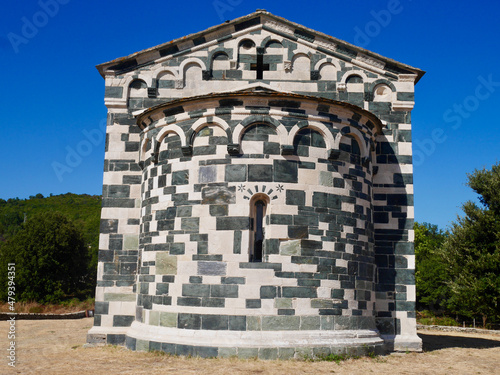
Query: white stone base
x: 400, y: 343
x: 254, y: 339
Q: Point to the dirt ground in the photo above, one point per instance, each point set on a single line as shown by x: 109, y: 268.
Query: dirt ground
x: 56, y: 347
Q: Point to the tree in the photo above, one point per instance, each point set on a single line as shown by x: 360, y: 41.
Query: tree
x: 51, y: 259
x: 471, y: 254
x: 430, y: 273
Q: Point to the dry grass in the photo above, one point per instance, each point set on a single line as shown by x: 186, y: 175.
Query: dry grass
x: 56, y: 347
x: 38, y: 308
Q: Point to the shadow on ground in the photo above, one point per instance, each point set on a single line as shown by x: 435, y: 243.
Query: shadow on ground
x: 432, y: 342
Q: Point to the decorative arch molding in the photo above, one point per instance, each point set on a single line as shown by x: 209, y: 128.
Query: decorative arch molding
x: 130, y: 79
x: 216, y: 52
x: 268, y: 120
x: 299, y: 54
x: 180, y: 82
x: 319, y: 127
x: 350, y: 73
x: 371, y: 86
x: 324, y: 61
x: 265, y: 42
x: 170, y: 129
x: 156, y: 73
x: 202, y: 123
x: 239, y: 44
x: 347, y: 130
x: 144, y: 145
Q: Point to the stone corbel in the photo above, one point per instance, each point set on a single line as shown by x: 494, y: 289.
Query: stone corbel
x: 233, y: 149
x: 207, y: 75
x: 152, y: 92
x: 341, y: 87
x: 314, y: 75
x: 287, y: 150
x: 365, y: 161
x: 187, y: 150
x: 334, y: 154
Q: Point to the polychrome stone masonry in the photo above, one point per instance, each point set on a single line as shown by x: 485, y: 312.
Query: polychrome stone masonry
x: 258, y: 196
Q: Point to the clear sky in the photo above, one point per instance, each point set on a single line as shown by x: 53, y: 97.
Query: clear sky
x: 52, y: 97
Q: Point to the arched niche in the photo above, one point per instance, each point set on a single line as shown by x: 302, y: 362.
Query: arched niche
x: 327, y: 72
x: 382, y: 93
x: 256, y: 137
x: 210, y: 134
x: 220, y: 61
x: 192, y: 75
x: 169, y: 147
x: 351, y: 145
x: 137, y: 89
x: 301, y: 67
x: 246, y: 50
x: 165, y: 80
x: 309, y: 142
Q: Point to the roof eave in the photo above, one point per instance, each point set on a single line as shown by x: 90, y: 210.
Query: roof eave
x: 104, y: 66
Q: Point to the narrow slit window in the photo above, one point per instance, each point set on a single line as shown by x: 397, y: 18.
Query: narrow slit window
x: 257, y: 230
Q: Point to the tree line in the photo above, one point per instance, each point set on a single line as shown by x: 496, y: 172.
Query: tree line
x: 458, y: 270
x: 53, y: 243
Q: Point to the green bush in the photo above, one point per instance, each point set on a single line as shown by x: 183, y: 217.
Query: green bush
x: 51, y: 260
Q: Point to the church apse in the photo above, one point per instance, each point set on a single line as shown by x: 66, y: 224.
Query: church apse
x: 256, y: 205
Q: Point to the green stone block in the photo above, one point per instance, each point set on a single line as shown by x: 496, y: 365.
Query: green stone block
x: 322, y: 304
x: 130, y: 242
x: 247, y: 353
x: 327, y: 323
x: 268, y: 353
x: 123, y: 297
x: 142, y: 345
x: 227, y: 352
x: 281, y: 323
x: 254, y: 323
x: 343, y: 322
x: 283, y: 303
x: 290, y: 247
x: 166, y: 264
x: 286, y: 353
x: 154, y: 318
x: 168, y: 319
x: 321, y: 352
x: 303, y: 353
x: 310, y: 323
x: 325, y: 178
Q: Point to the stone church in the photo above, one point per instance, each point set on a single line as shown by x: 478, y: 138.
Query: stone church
x: 258, y: 196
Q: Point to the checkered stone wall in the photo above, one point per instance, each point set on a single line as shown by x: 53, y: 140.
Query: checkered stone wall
x: 259, y: 109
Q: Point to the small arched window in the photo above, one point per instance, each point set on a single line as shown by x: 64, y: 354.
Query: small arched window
x: 258, y: 207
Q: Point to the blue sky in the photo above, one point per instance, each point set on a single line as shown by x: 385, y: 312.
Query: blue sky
x: 52, y: 96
